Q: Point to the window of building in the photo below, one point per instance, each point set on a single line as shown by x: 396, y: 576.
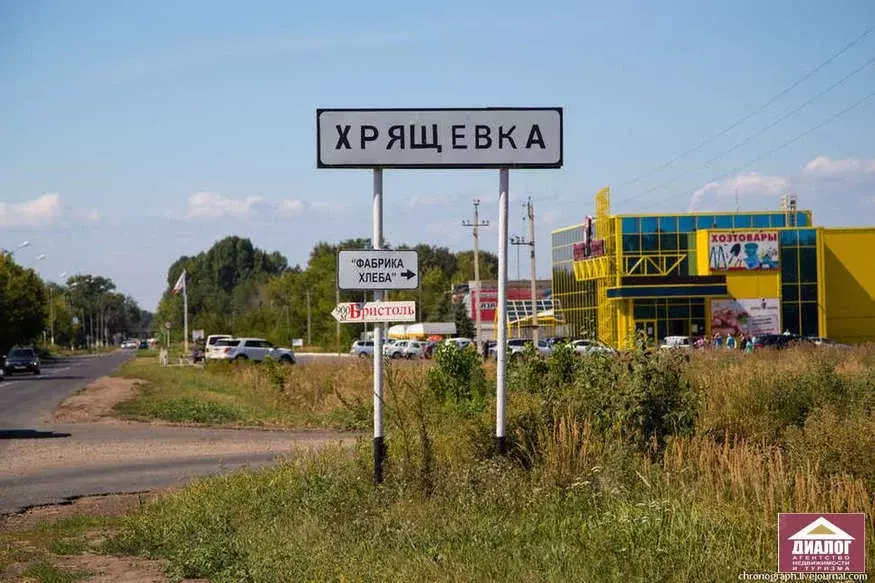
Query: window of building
x: 630, y: 225
x: 686, y: 224
x: 723, y: 221
x: 668, y: 241
x: 742, y: 221
x: 807, y: 237
x: 790, y: 317
x: 778, y: 220
x: 760, y: 221
x: 789, y: 264
x: 808, y: 315
x: 808, y: 264
x: 802, y: 219
x: 790, y: 292
x: 631, y: 243
x: 648, y: 224
x: 704, y: 222
x: 790, y: 237
x: 808, y: 292
x: 650, y: 243
x: 668, y: 224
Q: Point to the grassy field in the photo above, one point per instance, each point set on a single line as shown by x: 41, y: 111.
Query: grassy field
x: 320, y: 394
x: 668, y: 467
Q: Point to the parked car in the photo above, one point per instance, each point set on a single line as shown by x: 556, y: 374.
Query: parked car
x: 460, y: 342
x: 404, y: 349
x: 22, y: 360
x: 777, y: 341
x: 585, y: 346
x: 213, y: 346
x: 130, y: 344
x: 516, y: 346
x: 677, y: 342
x: 823, y: 341
x: 144, y: 345
x: 253, y: 349
x: 362, y: 348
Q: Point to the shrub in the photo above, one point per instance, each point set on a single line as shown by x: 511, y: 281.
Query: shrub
x: 457, y: 376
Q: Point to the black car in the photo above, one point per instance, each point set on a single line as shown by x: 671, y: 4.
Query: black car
x: 778, y: 341
x: 22, y: 360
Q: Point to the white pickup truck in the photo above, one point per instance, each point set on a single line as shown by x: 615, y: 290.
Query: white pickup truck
x: 254, y: 349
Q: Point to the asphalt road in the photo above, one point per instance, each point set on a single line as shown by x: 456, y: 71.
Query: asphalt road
x: 43, y: 463
x: 27, y: 400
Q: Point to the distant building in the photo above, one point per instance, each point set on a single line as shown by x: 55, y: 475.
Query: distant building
x: 519, y: 297
x: 617, y: 277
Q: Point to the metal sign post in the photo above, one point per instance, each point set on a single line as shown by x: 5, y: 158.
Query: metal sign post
x: 377, y: 243
x: 490, y: 137
x: 501, y: 340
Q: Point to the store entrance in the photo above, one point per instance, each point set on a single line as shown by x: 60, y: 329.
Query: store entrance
x: 645, y: 329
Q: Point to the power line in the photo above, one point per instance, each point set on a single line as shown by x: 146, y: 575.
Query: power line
x: 753, y: 136
x: 737, y: 123
x: 794, y: 139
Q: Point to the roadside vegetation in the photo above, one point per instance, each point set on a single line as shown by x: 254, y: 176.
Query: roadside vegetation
x: 663, y: 467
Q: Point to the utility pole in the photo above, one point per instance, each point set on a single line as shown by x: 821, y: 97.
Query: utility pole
x: 475, y: 225
x: 517, y: 240
x: 337, y: 324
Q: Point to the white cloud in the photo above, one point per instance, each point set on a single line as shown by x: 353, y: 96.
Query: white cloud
x: 290, y: 208
x: 85, y: 215
x: 39, y: 212
x: 209, y: 205
x: 750, y: 184
x: 826, y: 167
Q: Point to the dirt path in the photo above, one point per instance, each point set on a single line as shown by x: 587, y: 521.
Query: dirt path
x: 103, y: 568
x: 94, y: 403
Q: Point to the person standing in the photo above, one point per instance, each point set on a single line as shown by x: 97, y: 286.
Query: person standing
x: 730, y: 342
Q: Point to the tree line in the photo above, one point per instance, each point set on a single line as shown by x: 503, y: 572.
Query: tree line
x: 83, y: 311
x: 236, y: 288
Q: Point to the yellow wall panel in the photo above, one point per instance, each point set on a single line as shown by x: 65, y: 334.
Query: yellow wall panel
x: 753, y: 285
x: 849, y: 284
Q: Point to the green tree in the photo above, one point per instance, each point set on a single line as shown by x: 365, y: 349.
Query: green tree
x: 23, y: 304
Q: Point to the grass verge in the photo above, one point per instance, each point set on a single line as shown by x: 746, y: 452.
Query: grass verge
x: 662, y: 467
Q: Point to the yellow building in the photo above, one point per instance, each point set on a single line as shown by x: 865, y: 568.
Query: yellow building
x: 620, y: 277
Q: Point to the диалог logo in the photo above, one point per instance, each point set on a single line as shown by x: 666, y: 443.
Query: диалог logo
x: 821, y: 543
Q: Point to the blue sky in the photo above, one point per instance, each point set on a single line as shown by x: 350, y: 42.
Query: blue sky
x: 134, y: 132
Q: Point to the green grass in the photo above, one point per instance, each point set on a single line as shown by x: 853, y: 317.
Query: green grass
x: 35, y: 546
x: 45, y: 572
x: 250, y: 395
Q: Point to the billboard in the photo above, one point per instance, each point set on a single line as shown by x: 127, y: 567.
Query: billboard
x: 753, y: 317
x: 743, y: 251
x: 522, y: 137
x: 489, y: 299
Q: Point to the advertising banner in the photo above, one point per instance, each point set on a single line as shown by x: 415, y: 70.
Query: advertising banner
x: 753, y: 317
x: 743, y: 251
x: 489, y: 300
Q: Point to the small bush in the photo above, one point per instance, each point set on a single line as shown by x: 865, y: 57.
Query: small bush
x: 457, y: 375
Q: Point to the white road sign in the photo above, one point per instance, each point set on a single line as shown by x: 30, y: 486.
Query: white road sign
x: 377, y: 269
x: 439, y: 138
x: 360, y: 312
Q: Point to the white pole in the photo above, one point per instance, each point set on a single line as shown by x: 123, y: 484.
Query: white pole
x: 377, y: 243
x: 535, y: 335
x: 501, y: 340
x: 185, y: 309
x: 476, y: 295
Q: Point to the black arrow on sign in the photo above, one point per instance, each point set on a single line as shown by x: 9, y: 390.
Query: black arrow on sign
x: 408, y: 274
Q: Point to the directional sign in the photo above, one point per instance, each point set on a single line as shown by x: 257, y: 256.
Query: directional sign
x: 361, y: 312
x: 377, y: 269
x: 491, y: 137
